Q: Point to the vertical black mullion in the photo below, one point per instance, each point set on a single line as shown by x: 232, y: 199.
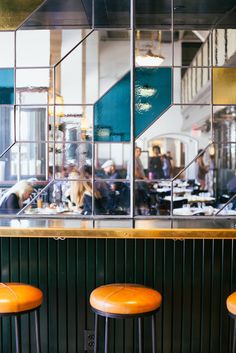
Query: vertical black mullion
x: 52, y: 296
x: 159, y: 284
x: 91, y: 260
x: 187, y: 296
x: 119, y: 278
x: 14, y: 269
x: 61, y: 293
x: 182, y: 299
x: 211, y: 296
x: 206, y: 296
x: 172, y: 296
x: 202, y: 296
x: 5, y: 277
x: 100, y: 274
x: 43, y: 285
x: 139, y: 261
x: 216, y: 299
x: 71, y: 295
x: 81, y: 290
x: 196, y: 291
x: 148, y: 281
x: 167, y: 304
x: 148, y: 263
x: 100, y: 262
x: 129, y: 278
x: 226, y: 278
x: 33, y: 280
x: 24, y: 278
x: 163, y: 291
x: 232, y: 286
x: 220, y: 296
x: 192, y: 296
x: 110, y: 278
x: 177, y: 295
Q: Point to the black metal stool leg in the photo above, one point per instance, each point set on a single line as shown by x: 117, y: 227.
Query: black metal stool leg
x: 37, y: 331
x: 96, y: 334
x: 140, y: 343
x: 106, y: 335
x: 17, y: 333
x: 234, y: 337
x: 153, y: 334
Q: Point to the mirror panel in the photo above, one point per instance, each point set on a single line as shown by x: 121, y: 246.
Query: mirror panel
x: 7, y: 47
x: 76, y: 122
x: 34, y: 86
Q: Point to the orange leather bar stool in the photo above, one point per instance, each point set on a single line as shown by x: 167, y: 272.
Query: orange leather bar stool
x: 17, y: 299
x: 123, y: 301
x: 231, y: 306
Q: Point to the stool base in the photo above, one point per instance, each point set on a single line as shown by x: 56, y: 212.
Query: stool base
x: 234, y: 332
x: 107, y: 316
x: 18, y: 329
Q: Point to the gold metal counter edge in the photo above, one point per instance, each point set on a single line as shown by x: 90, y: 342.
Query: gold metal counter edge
x: 121, y: 233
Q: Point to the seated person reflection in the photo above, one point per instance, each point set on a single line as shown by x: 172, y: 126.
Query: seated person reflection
x: 81, y: 192
x: 12, y: 200
x: 119, y: 191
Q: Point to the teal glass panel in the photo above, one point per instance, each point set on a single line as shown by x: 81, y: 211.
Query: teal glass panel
x: 153, y: 96
x: 6, y: 86
x: 112, y: 110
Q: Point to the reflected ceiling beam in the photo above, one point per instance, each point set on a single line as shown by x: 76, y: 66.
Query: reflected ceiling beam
x: 202, y: 35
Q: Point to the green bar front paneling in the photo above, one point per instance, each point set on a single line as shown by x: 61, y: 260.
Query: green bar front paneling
x: 194, y: 276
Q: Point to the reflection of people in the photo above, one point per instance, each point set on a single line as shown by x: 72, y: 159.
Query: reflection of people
x: 12, y: 200
x: 81, y: 189
x: 112, y: 173
x: 119, y: 195
x: 166, y: 166
x: 155, y: 163
x: 84, y: 150
x: 201, y: 170
x: 171, y: 161
x: 139, y: 170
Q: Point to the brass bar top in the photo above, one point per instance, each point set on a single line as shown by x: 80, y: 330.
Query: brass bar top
x: 144, y: 229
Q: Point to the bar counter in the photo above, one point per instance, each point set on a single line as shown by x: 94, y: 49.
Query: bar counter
x: 191, y: 262
x: 119, y: 229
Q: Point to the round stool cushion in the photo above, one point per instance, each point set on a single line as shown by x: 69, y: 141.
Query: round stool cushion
x: 18, y: 297
x: 231, y: 303
x: 125, y: 299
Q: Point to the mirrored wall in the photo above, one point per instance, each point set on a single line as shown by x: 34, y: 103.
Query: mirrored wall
x: 66, y: 119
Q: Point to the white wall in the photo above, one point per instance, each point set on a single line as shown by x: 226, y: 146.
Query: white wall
x: 114, y: 63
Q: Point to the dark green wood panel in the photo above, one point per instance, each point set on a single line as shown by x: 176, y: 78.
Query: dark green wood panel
x: 194, y: 276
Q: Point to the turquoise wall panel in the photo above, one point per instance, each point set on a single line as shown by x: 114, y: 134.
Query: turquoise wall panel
x: 6, y: 86
x: 112, y: 110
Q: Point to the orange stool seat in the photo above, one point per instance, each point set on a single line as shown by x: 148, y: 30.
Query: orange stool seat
x: 19, y: 297
x: 122, y: 301
x: 231, y: 303
x: 125, y: 299
x: 231, y: 306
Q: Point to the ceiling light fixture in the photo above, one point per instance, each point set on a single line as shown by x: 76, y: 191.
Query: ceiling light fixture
x: 146, y: 91
x: 150, y: 58
x: 143, y: 107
